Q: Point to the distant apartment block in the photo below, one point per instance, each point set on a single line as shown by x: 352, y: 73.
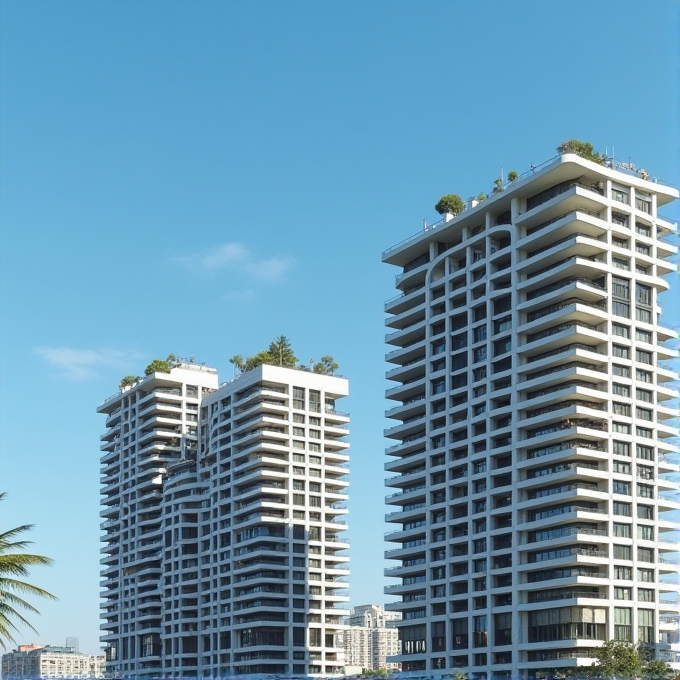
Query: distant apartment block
x: 223, y: 507
x: 33, y: 662
x: 533, y: 485
x: 371, y: 638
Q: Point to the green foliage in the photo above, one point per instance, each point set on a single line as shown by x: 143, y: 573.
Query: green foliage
x: 451, y: 203
x: 280, y: 353
x: 162, y: 365
x: 128, y: 381
x: 615, y: 658
x: 14, y: 562
x: 326, y: 366
x: 582, y: 149
x: 656, y: 669
x: 481, y: 197
x: 377, y: 673
x: 498, y: 185
x: 513, y: 176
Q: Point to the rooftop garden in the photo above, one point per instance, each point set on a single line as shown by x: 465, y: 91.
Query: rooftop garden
x: 452, y: 204
x: 280, y: 353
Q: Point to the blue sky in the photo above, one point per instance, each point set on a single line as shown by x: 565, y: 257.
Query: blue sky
x: 199, y: 177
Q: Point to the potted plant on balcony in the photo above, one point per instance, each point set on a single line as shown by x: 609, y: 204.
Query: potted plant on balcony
x: 128, y: 381
x: 582, y: 149
x: 450, y: 206
x: 513, y: 176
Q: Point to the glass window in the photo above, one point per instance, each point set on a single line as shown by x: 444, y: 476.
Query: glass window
x: 622, y: 530
x: 621, y: 330
x: 644, y: 315
x: 621, y: 309
x: 644, y: 532
x: 643, y: 395
x: 621, y: 288
x: 620, y: 371
x: 621, y: 409
x: 621, y: 488
x: 620, y: 352
x: 645, y: 595
x: 643, y: 336
x: 621, y: 390
x: 504, y: 324
x: 479, y: 333
x: 623, y: 552
x: 619, y: 195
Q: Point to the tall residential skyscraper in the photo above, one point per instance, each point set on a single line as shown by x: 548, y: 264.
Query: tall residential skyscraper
x: 223, y: 510
x: 531, y: 473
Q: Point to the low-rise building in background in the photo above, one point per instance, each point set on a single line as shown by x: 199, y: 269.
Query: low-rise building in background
x: 371, y: 637
x: 31, y: 662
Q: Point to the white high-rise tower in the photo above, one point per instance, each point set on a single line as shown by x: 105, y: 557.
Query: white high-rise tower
x: 531, y: 475
x: 223, y: 507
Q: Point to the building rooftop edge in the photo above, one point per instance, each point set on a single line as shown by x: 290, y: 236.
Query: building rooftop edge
x: 526, y: 178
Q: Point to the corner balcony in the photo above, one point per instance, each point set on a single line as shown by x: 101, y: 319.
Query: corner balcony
x: 567, y: 356
x: 579, y: 470
x: 411, y: 297
x: 407, y: 477
x: 410, y: 370
x: 560, y: 251
x: 567, y: 309
x: 407, y: 389
x: 552, y: 340
x: 570, y: 363
x: 587, y: 289
x: 406, y: 318
x: 407, y: 336
x: 571, y: 197
x: 410, y: 407
x: 408, y: 427
x: 580, y: 220
x: 409, y: 532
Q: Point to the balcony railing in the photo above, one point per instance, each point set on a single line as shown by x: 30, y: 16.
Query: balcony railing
x: 550, y: 309
x: 533, y: 253
x: 561, y: 350
x: 569, y: 531
x: 566, y: 594
x: 568, y: 424
x: 564, y: 367
x: 554, y: 330
x: 562, y: 446
x: 565, y: 404
x: 543, y: 225
x: 561, y: 284
x: 563, y: 386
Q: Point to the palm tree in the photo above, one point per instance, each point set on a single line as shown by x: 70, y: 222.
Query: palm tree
x: 14, y: 563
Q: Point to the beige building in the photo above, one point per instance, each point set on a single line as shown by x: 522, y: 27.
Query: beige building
x: 38, y: 661
x: 371, y: 637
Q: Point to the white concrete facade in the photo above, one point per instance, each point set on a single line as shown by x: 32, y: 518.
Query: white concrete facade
x: 246, y: 571
x: 531, y: 476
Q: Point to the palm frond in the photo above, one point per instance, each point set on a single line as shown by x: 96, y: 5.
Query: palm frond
x: 8, y: 584
x: 23, y: 560
x: 15, y: 562
x: 11, y: 533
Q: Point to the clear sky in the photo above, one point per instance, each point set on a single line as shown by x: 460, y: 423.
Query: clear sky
x: 199, y: 177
